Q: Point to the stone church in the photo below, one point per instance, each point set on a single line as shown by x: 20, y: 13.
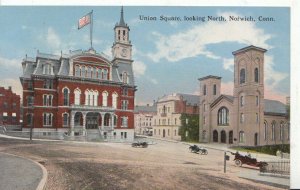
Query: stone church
x: 246, y: 118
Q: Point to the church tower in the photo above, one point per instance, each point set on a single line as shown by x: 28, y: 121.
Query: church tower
x: 248, y: 95
x: 122, y: 48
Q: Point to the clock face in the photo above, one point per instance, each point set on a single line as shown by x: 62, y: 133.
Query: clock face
x: 124, y: 52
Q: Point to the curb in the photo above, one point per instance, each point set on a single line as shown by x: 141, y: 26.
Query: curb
x: 43, y: 181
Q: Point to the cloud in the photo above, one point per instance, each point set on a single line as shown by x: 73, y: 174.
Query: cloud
x: 139, y: 68
x: 10, y: 63
x: 52, y: 39
x: 228, y: 64
x: 193, y: 42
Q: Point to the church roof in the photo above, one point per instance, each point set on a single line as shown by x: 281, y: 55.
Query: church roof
x: 271, y: 106
x: 190, y: 99
x: 248, y: 48
x: 122, y: 22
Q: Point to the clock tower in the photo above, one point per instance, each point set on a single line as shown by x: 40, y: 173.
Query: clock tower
x: 122, y: 47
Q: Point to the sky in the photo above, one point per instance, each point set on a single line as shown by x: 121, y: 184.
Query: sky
x: 169, y: 56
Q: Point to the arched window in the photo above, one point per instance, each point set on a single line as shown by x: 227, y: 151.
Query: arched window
x: 242, y: 101
x: 125, y: 77
x: 215, y: 136
x: 47, y: 119
x: 65, y: 119
x: 83, y: 71
x: 242, y: 137
x: 77, y: 71
x: 66, y: 96
x: 99, y: 76
x: 273, y: 130
x: 266, y: 130
x: 77, y: 93
x: 105, y: 74
x: 223, y: 116
x: 242, y: 76
x: 256, y: 75
x: 104, y: 99
x: 95, y: 98
x: 242, y: 118
x: 281, y: 132
x: 114, y: 100
x: 204, y: 89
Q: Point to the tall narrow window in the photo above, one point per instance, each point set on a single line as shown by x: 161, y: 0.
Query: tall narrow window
x: 242, y: 137
x: 77, y: 93
x: 77, y: 71
x: 94, y: 73
x: 124, y: 105
x: 65, y: 119
x: 30, y: 101
x: 125, y: 78
x: 83, y: 71
x: 281, y: 131
x: 242, y: 76
x: 256, y: 79
x: 215, y: 89
x: 88, y: 73
x: 242, y: 118
x: 99, y: 76
x: 105, y: 74
x: 273, y: 131
x: 114, y: 100
x: 104, y: 99
x: 242, y: 101
x: 204, y: 89
x: 124, y: 121
x: 266, y: 130
x: 257, y: 100
x: 257, y: 118
x: 66, y: 96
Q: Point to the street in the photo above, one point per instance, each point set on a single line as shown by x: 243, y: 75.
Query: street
x: 163, y: 165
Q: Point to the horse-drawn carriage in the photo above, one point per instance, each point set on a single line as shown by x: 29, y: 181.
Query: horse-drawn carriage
x: 239, y: 160
x: 140, y: 144
x: 198, y: 150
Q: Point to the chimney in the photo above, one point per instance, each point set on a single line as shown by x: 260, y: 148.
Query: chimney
x: 9, y: 88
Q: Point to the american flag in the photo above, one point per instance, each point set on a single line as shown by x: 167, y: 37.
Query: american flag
x: 85, y: 20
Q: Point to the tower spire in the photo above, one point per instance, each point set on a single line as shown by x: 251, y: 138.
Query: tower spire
x: 122, y: 22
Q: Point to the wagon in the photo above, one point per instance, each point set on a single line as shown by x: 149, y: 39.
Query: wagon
x: 239, y: 160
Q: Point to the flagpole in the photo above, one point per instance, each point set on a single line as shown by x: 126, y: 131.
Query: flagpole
x: 91, y: 30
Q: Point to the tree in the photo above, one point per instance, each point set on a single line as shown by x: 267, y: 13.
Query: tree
x: 189, y: 129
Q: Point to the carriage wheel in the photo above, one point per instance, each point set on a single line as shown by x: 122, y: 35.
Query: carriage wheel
x: 238, y: 162
x: 205, y: 152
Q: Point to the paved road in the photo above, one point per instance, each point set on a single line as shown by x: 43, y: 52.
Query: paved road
x: 18, y: 173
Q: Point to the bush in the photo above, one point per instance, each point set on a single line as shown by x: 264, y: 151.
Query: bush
x: 270, y: 149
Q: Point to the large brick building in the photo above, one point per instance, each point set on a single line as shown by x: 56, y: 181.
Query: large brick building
x: 82, y: 93
x: 170, y: 108
x: 9, y: 107
x: 246, y: 118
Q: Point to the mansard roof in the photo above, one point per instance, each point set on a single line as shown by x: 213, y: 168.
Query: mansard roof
x: 147, y: 108
x: 61, y: 64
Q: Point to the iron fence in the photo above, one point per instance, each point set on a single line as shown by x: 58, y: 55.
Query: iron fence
x: 281, y: 167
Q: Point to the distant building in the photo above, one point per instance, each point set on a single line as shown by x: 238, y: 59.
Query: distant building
x: 143, y: 117
x: 9, y: 107
x: 167, y: 121
x: 246, y: 118
x: 82, y: 93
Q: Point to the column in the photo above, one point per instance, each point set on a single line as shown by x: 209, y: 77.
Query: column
x: 102, y: 120
x: 84, y: 122
x: 72, y: 123
x: 113, y: 121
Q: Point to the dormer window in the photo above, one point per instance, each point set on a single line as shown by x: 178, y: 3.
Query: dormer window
x: 47, y: 69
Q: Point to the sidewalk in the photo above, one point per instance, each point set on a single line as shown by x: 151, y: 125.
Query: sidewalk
x: 20, y: 173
